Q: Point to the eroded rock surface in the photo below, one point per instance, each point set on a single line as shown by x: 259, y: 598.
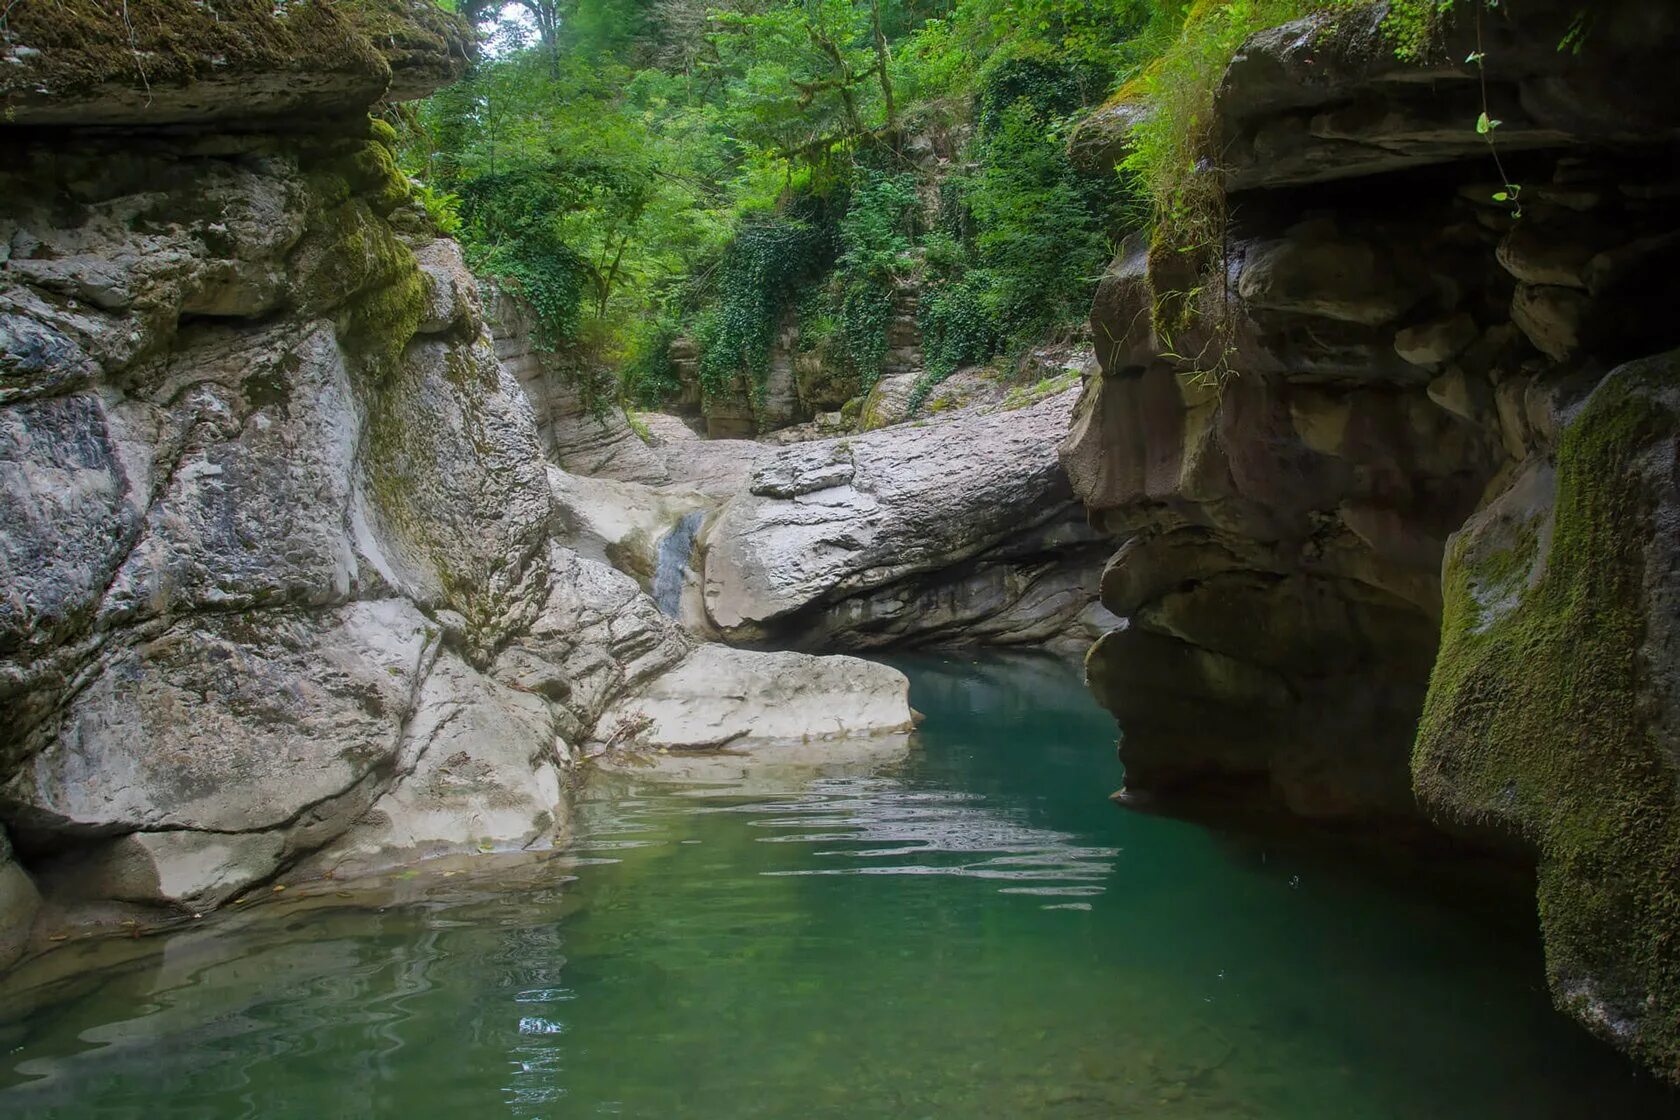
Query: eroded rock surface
x: 1554, y: 708
x: 1389, y: 356
x: 287, y: 578
x: 960, y: 529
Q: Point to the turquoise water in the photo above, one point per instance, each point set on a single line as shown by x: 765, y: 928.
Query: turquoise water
x: 964, y: 928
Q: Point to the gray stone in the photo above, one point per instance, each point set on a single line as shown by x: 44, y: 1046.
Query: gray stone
x: 231, y: 722
x: 66, y: 517
x: 846, y: 541
x: 191, y: 871
x: 19, y: 900
x: 481, y: 769
x: 720, y: 696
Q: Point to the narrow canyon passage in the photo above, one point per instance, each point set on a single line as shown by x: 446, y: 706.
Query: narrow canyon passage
x: 957, y: 926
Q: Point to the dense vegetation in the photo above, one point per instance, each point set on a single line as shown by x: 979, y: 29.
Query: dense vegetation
x: 647, y: 169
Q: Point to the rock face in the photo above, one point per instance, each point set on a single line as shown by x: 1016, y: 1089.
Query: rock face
x: 666, y: 452
x: 907, y: 535
x: 288, y: 582
x: 1554, y: 709
x: 1392, y: 357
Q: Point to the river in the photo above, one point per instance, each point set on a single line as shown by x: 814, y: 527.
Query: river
x: 961, y: 926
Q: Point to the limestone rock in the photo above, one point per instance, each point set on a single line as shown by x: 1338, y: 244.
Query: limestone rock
x: 244, y: 60
x: 596, y: 635
x: 620, y: 523
x: 854, y: 541
x: 293, y: 710
x: 480, y: 769
x: 191, y: 871
x: 720, y: 696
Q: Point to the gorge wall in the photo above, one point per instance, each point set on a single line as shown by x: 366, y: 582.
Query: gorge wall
x: 954, y: 529
x: 288, y: 584
x: 1396, y: 370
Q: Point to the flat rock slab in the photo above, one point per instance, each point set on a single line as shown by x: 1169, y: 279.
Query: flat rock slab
x: 720, y: 696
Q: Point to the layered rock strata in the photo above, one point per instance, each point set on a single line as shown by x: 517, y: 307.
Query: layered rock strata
x: 955, y: 529
x: 288, y: 582
x: 963, y: 530
x: 1389, y: 366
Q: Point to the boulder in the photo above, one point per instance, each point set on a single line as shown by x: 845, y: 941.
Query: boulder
x: 184, y: 870
x: 481, y: 769
x: 718, y: 697
x: 901, y: 535
x: 232, y: 723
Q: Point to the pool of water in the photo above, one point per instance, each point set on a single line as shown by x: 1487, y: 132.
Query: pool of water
x: 962, y: 928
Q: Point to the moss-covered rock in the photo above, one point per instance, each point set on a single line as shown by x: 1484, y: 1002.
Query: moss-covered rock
x: 167, y: 61
x: 1554, y: 706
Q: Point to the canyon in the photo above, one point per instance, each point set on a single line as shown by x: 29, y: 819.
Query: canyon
x: 315, y: 564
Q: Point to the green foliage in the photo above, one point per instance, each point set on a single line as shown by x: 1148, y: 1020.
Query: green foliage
x: 443, y: 207
x: 755, y: 282
x: 1413, y: 24
x: 876, y: 236
x: 647, y: 171
x: 649, y: 375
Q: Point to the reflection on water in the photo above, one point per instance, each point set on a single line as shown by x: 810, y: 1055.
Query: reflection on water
x: 960, y: 928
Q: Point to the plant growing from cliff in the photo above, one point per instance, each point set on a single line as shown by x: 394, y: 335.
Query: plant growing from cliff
x: 876, y: 234
x: 755, y: 282
x: 1487, y: 124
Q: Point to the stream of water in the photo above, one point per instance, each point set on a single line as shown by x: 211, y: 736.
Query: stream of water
x: 965, y: 927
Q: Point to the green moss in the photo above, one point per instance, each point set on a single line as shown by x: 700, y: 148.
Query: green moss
x: 1538, y: 723
x: 352, y: 265
x: 149, y: 44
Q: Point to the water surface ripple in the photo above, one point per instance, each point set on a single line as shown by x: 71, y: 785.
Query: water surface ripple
x: 966, y: 928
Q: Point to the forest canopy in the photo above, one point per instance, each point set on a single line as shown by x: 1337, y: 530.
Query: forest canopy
x: 641, y: 170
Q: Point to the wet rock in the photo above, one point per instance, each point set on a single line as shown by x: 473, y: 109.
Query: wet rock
x: 190, y: 871
x: 620, y: 523
x: 1552, y: 717
x: 480, y: 768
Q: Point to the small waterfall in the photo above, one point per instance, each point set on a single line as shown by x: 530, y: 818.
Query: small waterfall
x: 674, y: 550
